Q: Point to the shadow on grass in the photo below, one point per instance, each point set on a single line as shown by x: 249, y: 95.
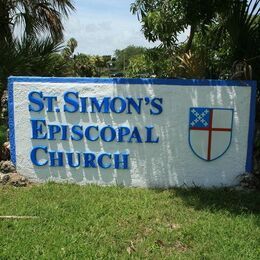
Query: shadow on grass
x: 235, y: 202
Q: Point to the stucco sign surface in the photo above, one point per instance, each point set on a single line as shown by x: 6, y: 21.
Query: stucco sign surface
x: 132, y: 132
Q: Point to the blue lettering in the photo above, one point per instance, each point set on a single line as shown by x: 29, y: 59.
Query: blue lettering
x: 89, y: 159
x: 36, y: 99
x: 37, y: 130
x: 88, y: 135
x: 71, y: 98
x: 34, y: 152
x: 56, y: 159
x: 83, y: 102
x: 133, y: 103
x: 121, y: 164
x: 50, y: 101
x: 101, y: 162
x: 114, y: 108
x: 78, y: 131
x: 122, y: 132
x: 96, y: 107
x: 53, y: 130
x: 156, y: 103
x: 149, y: 135
x: 103, y: 134
x: 64, y: 132
x: 70, y: 160
x: 135, y: 135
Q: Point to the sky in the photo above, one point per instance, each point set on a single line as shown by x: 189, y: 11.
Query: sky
x: 102, y: 26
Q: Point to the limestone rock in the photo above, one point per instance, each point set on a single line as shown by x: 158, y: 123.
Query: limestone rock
x: 7, y: 167
x: 4, y: 178
x: 249, y: 181
x: 9, y: 176
x: 17, y: 180
x: 6, y: 151
x: 4, y: 104
x: 13, y: 179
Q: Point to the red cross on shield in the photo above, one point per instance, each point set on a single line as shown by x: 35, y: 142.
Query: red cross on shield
x: 210, y: 131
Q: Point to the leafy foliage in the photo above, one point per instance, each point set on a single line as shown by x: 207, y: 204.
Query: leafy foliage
x: 191, y: 65
x: 33, y: 17
x: 84, y: 66
x: 69, y: 50
x: 40, y: 24
x: 3, y: 135
x: 165, y: 20
x: 30, y: 56
x: 242, y: 23
x: 139, y: 66
x: 65, y: 63
x: 163, y: 61
x: 224, y: 31
x: 123, y: 56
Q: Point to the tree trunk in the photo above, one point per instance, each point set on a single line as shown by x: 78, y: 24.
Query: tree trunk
x: 193, y: 30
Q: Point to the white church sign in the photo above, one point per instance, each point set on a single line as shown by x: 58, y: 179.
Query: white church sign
x: 132, y: 132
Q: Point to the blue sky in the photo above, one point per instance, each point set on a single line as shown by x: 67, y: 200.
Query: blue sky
x: 102, y: 26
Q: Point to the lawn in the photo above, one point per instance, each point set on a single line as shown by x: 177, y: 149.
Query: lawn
x: 90, y: 222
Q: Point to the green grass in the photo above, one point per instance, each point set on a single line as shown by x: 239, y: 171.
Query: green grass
x: 89, y: 222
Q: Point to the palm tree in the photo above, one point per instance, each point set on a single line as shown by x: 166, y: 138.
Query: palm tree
x: 69, y: 50
x: 39, y: 23
x: 242, y: 23
x: 29, y: 56
x: 33, y: 17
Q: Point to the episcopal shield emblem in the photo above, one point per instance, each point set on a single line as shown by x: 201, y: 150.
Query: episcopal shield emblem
x: 210, y: 131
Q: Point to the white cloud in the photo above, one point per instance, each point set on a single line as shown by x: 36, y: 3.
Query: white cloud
x: 102, y: 26
x: 102, y: 31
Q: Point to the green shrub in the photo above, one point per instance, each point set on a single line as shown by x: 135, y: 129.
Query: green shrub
x: 3, y: 135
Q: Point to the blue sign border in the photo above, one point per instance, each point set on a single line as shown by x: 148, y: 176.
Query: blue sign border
x: 124, y: 81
